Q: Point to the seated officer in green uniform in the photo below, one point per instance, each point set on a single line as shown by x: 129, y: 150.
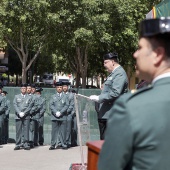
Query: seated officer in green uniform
x: 115, y: 85
x: 137, y: 135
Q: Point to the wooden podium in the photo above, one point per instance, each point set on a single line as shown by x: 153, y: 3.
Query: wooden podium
x: 94, y: 148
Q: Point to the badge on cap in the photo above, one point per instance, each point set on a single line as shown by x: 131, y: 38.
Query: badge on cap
x: 151, y: 27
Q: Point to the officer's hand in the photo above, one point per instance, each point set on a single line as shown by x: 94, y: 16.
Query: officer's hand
x: 21, y: 114
x: 94, y: 98
x: 58, y: 114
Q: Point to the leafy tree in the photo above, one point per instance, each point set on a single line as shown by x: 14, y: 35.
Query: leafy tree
x: 90, y: 28
x: 44, y: 63
x: 83, y: 25
x: 77, y: 32
x: 24, y: 25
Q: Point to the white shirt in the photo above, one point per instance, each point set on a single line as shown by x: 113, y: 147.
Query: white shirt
x: 160, y: 77
x: 116, y: 68
x: 23, y: 95
x: 59, y: 94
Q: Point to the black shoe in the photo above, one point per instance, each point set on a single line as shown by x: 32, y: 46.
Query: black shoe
x: 41, y: 144
x: 27, y: 148
x: 74, y: 145
x: 35, y: 144
x: 68, y: 145
x: 59, y: 145
x: 17, y: 148
x: 22, y: 145
x: 31, y: 146
x: 64, y: 147
x: 52, y: 148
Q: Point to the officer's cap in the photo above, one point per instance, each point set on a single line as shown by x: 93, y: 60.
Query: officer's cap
x: 151, y: 27
x: 23, y: 85
x: 110, y: 56
x: 59, y: 83
x: 33, y: 85
x: 28, y: 85
x: 38, y: 89
x: 5, y: 92
x: 67, y: 83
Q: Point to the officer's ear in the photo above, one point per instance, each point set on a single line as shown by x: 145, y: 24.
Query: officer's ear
x: 159, y: 55
x: 113, y: 62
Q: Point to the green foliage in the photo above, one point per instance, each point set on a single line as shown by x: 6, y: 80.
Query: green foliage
x: 4, y: 75
x: 44, y: 63
x: 82, y: 35
x: 62, y: 26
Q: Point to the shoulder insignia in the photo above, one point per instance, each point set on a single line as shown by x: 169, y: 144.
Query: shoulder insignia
x: 133, y: 91
x: 137, y: 91
x: 109, y: 78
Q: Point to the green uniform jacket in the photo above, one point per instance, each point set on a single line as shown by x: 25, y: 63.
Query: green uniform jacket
x: 70, y: 97
x: 34, y: 105
x: 115, y: 85
x: 41, y: 107
x: 7, y: 110
x: 59, y: 104
x: 22, y: 105
x: 137, y: 136
x: 2, y: 104
x: 37, y: 104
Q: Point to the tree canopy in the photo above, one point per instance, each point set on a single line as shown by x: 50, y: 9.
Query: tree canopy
x: 24, y: 26
x: 74, y: 33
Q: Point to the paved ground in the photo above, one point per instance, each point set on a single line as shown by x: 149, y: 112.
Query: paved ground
x: 39, y: 158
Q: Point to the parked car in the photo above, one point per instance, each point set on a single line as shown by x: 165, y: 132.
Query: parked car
x: 90, y: 87
x: 48, y: 79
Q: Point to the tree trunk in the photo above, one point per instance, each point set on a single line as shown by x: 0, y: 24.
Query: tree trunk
x: 98, y: 81
x: 24, y: 75
x: 16, y: 83
x: 77, y: 80
x: 92, y: 81
x: 82, y: 62
x: 23, y: 52
x: 83, y: 81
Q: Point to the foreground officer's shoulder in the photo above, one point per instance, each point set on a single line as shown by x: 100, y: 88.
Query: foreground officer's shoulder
x: 135, y: 93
